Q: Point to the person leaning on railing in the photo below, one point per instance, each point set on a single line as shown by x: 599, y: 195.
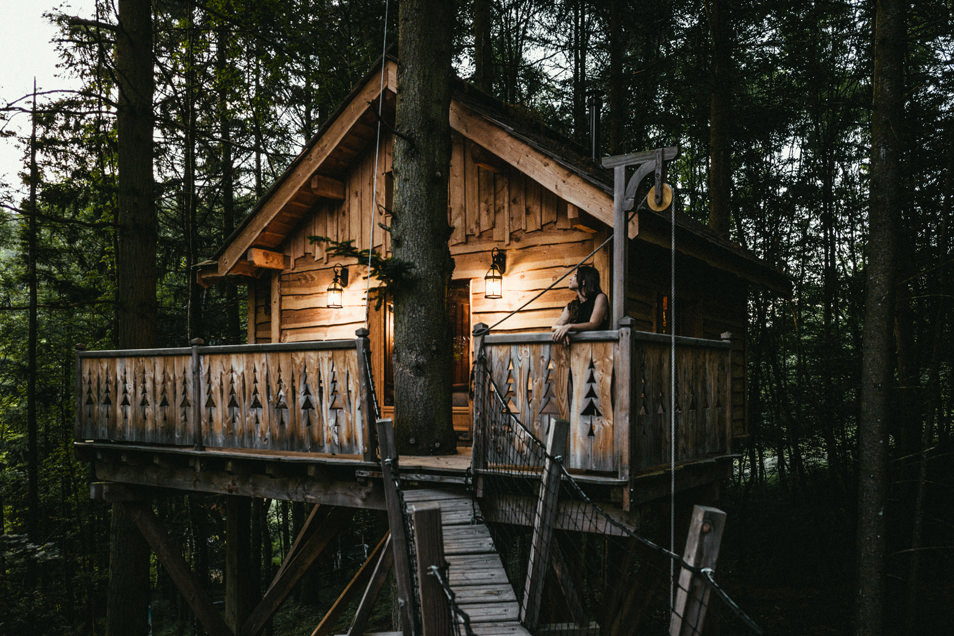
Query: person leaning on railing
x: 589, y: 310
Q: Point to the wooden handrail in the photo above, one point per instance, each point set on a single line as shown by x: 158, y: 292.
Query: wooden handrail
x: 614, y: 387
x: 309, y: 396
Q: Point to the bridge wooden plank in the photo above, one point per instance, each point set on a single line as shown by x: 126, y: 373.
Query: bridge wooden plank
x: 492, y: 612
x: 466, y: 595
x: 499, y: 629
x: 475, y: 571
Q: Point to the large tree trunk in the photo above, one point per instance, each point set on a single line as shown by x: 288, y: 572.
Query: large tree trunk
x: 886, y: 123
x: 483, y: 76
x: 136, y: 286
x: 720, y: 168
x: 422, y: 336
x: 615, y: 90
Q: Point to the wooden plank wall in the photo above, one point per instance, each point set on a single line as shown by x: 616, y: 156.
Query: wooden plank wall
x: 708, y: 303
x: 490, y: 205
x: 137, y: 399
x: 701, y: 426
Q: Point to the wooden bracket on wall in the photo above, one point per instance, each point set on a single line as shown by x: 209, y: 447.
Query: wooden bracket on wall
x: 267, y: 259
x: 326, y: 187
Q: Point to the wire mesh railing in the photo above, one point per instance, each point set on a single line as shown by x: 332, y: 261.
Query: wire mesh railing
x: 590, y: 571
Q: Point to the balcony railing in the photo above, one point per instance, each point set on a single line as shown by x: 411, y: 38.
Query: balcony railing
x: 614, y: 388
x: 290, y: 397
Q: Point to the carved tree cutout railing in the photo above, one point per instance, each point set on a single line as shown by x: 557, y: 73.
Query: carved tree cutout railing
x: 614, y: 388
x: 300, y: 397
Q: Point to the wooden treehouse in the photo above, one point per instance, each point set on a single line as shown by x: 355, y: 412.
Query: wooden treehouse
x: 293, y: 414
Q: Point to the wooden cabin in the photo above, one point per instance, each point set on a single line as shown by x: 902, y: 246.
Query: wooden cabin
x: 515, y: 187
x: 291, y: 414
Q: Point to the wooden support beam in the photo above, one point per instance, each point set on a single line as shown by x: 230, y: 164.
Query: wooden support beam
x: 238, y: 594
x: 702, y: 551
x: 399, y: 542
x: 436, y: 617
x: 326, y: 187
x: 275, y: 308
x: 267, y: 259
x: 332, y: 523
x: 359, y: 580
x: 564, y: 576
x: 543, y: 524
x: 307, y: 530
x: 620, y: 246
x: 170, y: 558
x: 378, y: 578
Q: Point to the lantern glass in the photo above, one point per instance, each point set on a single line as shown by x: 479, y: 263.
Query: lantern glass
x: 493, y: 282
x: 334, y: 295
x: 335, y: 289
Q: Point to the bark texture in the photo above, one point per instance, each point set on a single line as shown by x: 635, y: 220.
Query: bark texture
x: 126, y: 613
x: 422, y: 334
x: 876, y: 363
x: 720, y: 175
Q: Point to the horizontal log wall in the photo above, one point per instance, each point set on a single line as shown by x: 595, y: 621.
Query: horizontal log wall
x: 490, y: 205
x: 280, y: 398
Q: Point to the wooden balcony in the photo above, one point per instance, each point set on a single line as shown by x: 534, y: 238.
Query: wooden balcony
x: 614, y: 388
x: 260, y: 412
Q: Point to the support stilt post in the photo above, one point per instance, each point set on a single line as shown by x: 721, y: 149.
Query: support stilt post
x: 702, y: 550
x: 399, y: 541
x: 436, y: 619
x: 543, y: 520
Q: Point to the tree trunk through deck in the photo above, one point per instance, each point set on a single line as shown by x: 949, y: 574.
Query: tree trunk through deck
x: 135, y: 286
x: 422, y: 335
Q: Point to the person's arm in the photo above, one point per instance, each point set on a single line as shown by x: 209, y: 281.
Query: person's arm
x: 563, y: 327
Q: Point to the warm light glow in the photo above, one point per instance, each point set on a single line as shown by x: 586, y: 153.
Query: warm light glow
x: 494, y: 284
x: 335, y: 289
x: 493, y: 281
x: 334, y: 296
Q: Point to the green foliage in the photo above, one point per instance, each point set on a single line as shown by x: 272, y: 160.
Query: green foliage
x: 392, y: 272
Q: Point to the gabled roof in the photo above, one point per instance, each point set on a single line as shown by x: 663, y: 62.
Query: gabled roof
x: 518, y: 139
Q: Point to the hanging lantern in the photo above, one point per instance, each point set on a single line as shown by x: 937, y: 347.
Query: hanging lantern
x: 335, y: 288
x: 493, y: 281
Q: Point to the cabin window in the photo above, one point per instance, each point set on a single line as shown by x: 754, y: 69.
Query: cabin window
x: 687, y: 316
x: 458, y: 311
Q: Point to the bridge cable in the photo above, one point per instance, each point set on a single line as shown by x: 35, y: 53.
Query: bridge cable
x: 569, y: 270
x: 374, y: 178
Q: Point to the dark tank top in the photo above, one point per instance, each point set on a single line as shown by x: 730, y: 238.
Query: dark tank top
x: 585, y: 310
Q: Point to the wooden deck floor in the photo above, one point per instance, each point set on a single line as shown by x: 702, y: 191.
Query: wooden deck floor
x: 476, y: 573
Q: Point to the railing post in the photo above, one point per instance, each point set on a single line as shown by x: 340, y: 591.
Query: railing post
x: 481, y: 400
x: 620, y: 245
x: 395, y: 510
x: 80, y: 422
x: 726, y: 336
x: 436, y: 619
x: 197, y: 393
x: 622, y: 421
x: 369, y: 400
x: 702, y: 551
x: 543, y: 520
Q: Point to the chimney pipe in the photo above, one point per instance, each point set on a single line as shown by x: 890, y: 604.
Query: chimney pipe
x: 594, y: 101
